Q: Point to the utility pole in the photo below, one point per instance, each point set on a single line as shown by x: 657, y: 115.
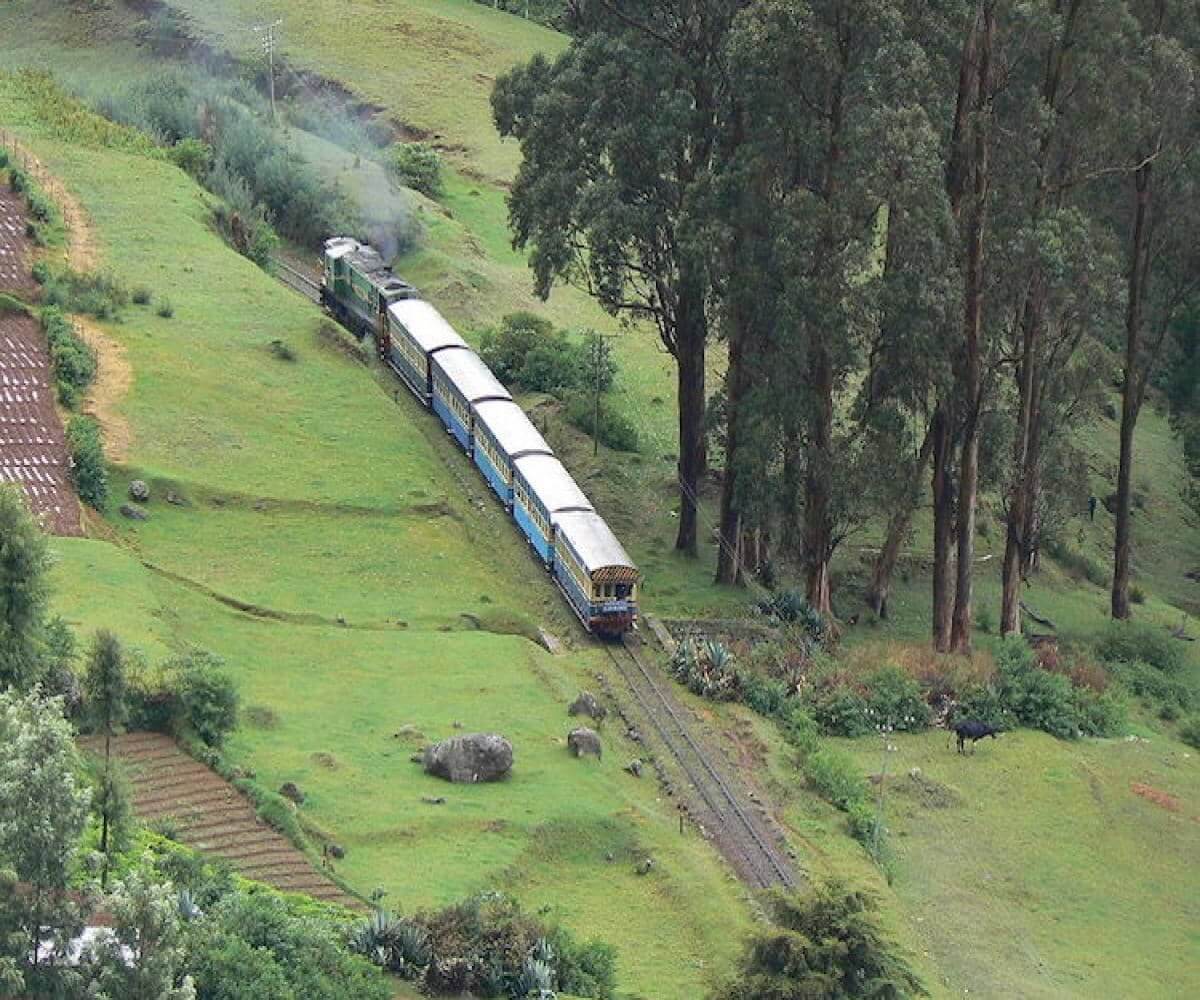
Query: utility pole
x: 266, y: 32
x: 599, y: 355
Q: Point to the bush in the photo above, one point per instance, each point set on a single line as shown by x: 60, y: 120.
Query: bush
x: 841, y: 711
x: 613, y: 430
x: 417, y: 166
x: 1133, y: 642
x: 18, y: 182
x: 1150, y: 684
x: 792, y: 606
x: 1189, y: 732
x: 527, y: 352
x: 99, y: 295
x: 208, y: 699
x: 1076, y: 565
x: 895, y: 699
x: 282, y: 350
x: 165, y: 309
x: 835, y: 776
x: 141, y: 296
x: 193, y: 157
x: 74, y: 360
x: 88, y: 470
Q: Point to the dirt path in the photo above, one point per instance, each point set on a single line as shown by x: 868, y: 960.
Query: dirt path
x: 210, y: 815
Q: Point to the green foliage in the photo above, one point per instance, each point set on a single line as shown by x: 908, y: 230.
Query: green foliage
x: 193, y: 157
x: 841, y: 711
x: 1022, y: 693
x: 895, y: 700
x: 141, y: 295
x: 105, y: 686
x: 87, y: 461
x: 165, y: 309
x: 10, y: 305
x: 74, y: 360
x: 614, y: 429
x: 1140, y: 642
x: 791, y: 606
x: 823, y: 942
x: 102, y: 296
x: 1076, y: 564
x: 707, y: 670
x: 1169, y: 695
x: 207, y: 696
x: 417, y: 166
x: 1189, y: 731
x: 24, y: 590
x: 835, y: 776
x: 526, y: 351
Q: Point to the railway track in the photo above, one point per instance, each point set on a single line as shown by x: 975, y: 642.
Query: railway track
x: 742, y: 836
x: 296, y: 279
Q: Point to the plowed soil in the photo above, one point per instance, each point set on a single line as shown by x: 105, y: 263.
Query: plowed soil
x: 211, y: 815
x: 33, y: 451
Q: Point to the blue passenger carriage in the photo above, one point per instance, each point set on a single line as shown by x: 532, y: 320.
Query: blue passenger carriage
x: 543, y: 489
x: 595, y: 572
x: 504, y: 434
x: 418, y: 332
x: 461, y: 380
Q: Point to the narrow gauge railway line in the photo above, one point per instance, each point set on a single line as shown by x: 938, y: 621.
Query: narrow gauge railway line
x: 296, y: 279
x: 741, y: 836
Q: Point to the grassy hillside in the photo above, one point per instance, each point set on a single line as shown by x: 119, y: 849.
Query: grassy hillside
x: 312, y: 495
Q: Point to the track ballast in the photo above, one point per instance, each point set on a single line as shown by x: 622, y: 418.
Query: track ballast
x: 744, y: 839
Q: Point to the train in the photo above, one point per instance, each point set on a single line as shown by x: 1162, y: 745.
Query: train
x: 569, y: 539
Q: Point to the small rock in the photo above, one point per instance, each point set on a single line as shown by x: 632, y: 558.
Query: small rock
x: 633, y: 735
x: 432, y: 800
x: 337, y: 851
x: 139, y: 491
x: 408, y: 732
x: 587, y: 704
x: 175, y: 499
x: 289, y: 790
x: 134, y: 513
x: 646, y: 867
x: 610, y: 857
x: 915, y: 773
x: 584, y: 741
x: 634, y: 767
x: 341, y: 620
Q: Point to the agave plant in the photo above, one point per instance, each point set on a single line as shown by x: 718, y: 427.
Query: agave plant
x: 411, y: 953
x: 188, y: 910
x: 718, y: 655
x: 543, y: 951
x: 683, y: 662
x: 536, y: 980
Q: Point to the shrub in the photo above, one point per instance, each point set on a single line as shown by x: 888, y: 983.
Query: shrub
x: 841, y: 711
x: 1137, y: 595
x: 165, y: 309
x: 208, y: 699
x: 527, y: 352
x: 1132, y: 642
x: 1155, y: 687
x: 1189, y: 732
x: 88, y: 470
x: 1075, y: 564
x: 141, y: 296
x: 895, y: 699
x: 74, y: 360
x: 613, y: 429
x: 193, y: 157
x: 417, y: 166
x: 792, y: 606
x: 835, y: 776
x: 282, y: 350
x: 99, y: 295
x: 18, y: 182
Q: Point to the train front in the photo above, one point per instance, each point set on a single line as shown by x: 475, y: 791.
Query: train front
x: 614, y: 606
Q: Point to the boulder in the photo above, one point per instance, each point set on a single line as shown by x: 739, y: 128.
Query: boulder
x: 634, y: 767
x: 587, y: 704
x: 139, y: 491
x: 337, y: 851
x: 134, y: 513
x: 289, y: 790
x: 175, y: 499
x: 469, y: 759
x: 584, y: 740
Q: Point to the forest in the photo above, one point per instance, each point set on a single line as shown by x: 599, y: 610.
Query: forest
x: 934, y: 240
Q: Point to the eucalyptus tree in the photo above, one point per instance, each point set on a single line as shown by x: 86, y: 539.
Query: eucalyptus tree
x: 829, y: 123
x: 105, y: 691
x: 1055, y: 265
x: 617, y: 136
x: 1159, y: 218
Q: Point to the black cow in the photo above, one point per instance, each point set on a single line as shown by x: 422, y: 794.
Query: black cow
x: 973, y: 730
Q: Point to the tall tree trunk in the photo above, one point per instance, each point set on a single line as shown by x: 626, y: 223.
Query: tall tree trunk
x: 943, y: 530
x: 971, y: 381
x: 1131, y: 395
x: 729, y: 563
x: 818, y: 499
x: 897, y: 532
x: 692, y: 334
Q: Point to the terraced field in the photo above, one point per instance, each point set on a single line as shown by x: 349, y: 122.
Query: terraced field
x: 212, y: 816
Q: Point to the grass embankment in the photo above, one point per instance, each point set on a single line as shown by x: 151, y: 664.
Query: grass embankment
x: 312, y: 495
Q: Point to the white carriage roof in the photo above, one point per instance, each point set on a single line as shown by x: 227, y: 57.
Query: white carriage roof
x: 468, y: 374
x: 593, y: 540
x: 511, y: 428
x: 425, y: 325
x: 552, y: 484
